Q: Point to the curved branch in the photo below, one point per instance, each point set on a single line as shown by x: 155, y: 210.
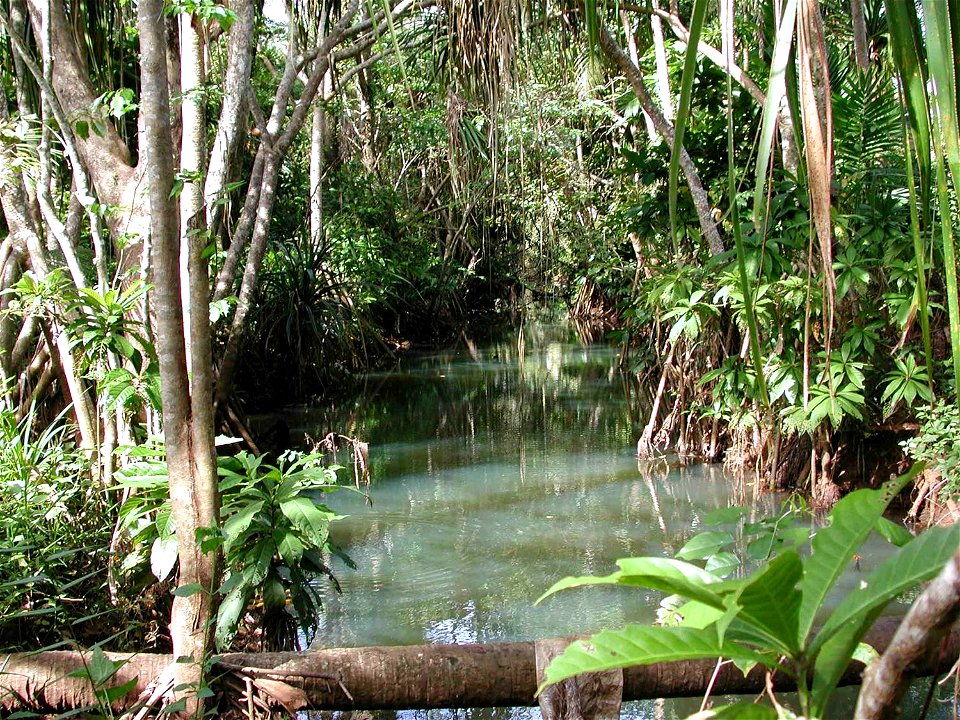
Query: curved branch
x: 917, y: 638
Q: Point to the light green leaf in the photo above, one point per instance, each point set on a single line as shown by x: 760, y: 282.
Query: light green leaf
x: 304, y: 515
x: 697, y: 615
x: 705, y: 544
x: 229, y: 613
x: 99, y: 668
x: 865, y: 653
x: 912, y: 564
x: 289, y: 546
x: 893, y: 533
x: 739, y: 711
x: 238, y: 523
x: 834, y: 546
x: 722, y: 564
x: 724, y: 516
x: 770, y: 601
x: 670, y: 576
x: 188, y: 590
x: 642, y: 645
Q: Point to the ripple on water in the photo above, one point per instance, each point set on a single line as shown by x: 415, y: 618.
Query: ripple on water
x: 490, y: 487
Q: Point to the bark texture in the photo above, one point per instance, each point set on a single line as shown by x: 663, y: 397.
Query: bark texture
x: 187, y: 438
x: 701, y: 201
x: 590, y: 696
x: 411, y: 677
x: 917, y: 638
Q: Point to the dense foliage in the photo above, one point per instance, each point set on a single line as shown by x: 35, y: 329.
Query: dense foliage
x: 371, y: 176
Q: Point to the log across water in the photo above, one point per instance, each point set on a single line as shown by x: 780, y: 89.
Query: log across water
x: 405, y: 677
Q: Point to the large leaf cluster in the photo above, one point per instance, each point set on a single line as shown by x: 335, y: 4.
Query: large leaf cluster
x: 274, y: 533
x: 769, y: 617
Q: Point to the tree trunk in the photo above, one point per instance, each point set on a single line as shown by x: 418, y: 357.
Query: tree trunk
x: 233, y: 113
x: 918, y: 637
x: 193, y: 143
x: 319, y: 136
x: 701, y: 201
x: 652, y: 136
x: 861, y: 48
x: 193, y: 504
x: 410, y: 677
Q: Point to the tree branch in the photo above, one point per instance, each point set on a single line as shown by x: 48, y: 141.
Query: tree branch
x: 701, y: 201
x: 918, y: 637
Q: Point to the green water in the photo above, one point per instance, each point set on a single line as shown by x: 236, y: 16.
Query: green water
x: 497, y: 470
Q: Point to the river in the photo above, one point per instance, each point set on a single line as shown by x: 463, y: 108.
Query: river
x: 498, y: 468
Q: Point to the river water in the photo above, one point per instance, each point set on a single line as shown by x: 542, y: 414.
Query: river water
x: 497, y: 469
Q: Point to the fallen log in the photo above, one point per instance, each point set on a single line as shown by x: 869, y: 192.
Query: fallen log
x: 398, y: 678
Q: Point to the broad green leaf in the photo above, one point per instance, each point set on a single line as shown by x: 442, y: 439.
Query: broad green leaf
x: 642, y: 645
x: 304, y: 515
x: 670, y: 576
x: 834, y: 546
x: 274, y: 595
x: 697, y: 615
x: 703, y: 545
x: 115, y: 693
x: 912, y: 564
x: 188, y: 590
x: 722, y: 564
x: 289, y: 546
x: 238, y: 523
x: 739, y: 711
x: 893, y: 533
x: 770, y: 601
x: 98, y: 668
x: 917, y: 561
x: 229, y: 613
x: 724, y: 516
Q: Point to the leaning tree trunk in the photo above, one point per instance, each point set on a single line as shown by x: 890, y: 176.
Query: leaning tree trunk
x: 919, y: 636
x: 701, y: 201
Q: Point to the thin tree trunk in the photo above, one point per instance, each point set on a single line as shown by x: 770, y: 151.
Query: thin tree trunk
x: 233, y: 112
x: 861, y: 48
x: 319, y: 133
x: 652, y: 135
x: 192, y: 507
x: 701, y: 201
x: 192, y: 150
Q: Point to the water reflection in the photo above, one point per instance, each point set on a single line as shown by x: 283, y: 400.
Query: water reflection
x: 497, y: 471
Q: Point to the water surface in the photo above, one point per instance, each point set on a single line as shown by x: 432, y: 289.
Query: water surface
x: 496, y: 471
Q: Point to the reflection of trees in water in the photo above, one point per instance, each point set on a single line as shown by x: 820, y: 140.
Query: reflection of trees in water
x: 508, y: 394
x: 501, y: 470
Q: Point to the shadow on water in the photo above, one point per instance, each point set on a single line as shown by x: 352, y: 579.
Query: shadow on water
x: 497, y: 470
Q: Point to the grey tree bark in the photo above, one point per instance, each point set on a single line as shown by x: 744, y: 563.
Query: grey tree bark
x: 701, y: 201
x: 189, y: 447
